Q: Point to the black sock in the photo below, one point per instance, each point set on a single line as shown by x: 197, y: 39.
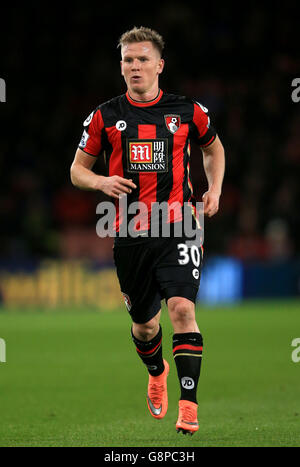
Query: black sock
x: 151, y: 353
x: 187, y: 352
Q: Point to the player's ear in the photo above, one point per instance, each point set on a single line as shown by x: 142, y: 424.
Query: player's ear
x: 121, y: 64
x: 161, y: 65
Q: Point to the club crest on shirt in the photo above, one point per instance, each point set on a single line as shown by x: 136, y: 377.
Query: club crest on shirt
x: 173, y: 122
x: 127, y: 301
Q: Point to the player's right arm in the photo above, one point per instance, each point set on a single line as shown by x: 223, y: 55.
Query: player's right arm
x: 84, y: 178
x: 90, y: 147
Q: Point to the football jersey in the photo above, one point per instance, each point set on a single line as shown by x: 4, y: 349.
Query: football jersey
x: 149, y: 142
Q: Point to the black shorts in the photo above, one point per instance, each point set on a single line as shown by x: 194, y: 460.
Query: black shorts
x: 158, y: 268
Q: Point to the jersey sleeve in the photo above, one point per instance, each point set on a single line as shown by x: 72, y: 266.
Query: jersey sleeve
x: 203, y: 133
x: 92, y: 137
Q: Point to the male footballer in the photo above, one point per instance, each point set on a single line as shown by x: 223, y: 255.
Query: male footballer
x: 145, y: 135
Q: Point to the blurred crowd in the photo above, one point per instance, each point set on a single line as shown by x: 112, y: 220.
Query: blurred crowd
x: 59, y: 65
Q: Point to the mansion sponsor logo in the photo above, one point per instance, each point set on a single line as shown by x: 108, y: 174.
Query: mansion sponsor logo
x: 147, y: 155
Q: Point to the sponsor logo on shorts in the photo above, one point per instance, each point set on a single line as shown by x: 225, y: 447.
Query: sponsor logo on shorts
x: 147, y: 155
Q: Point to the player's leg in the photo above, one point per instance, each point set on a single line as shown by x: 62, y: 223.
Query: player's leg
x: 178, y: 273
x: 147, y: 338
x: 182, y: 315
x: 187, y: 352
x: 143, y: 301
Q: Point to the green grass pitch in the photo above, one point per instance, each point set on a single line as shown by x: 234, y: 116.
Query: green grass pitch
x: 72, y: 378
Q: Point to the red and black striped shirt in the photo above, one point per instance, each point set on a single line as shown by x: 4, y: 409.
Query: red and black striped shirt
x: 149, y: 142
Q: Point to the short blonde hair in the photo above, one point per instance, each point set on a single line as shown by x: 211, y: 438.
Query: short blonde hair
x: 142, y: 34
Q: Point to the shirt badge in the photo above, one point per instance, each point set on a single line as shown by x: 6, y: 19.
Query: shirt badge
x: 173, y: 123
x: 121, y: 125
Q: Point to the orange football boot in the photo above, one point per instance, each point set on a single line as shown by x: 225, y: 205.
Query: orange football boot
x: 157, y: 397
x: 187, y: 419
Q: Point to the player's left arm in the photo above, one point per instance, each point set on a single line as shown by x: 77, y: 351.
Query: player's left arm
x: 214, y: 167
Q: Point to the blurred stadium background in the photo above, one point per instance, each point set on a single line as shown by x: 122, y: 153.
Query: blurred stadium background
x: 59, y: 64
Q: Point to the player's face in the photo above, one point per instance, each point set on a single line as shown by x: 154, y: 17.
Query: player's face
x: 141, y: 65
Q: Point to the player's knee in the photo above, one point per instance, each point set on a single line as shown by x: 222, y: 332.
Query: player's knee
x: 146, y: 331
x: 181, y: 312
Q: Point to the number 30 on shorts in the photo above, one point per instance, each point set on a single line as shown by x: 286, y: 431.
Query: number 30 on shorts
x: 184, y: 256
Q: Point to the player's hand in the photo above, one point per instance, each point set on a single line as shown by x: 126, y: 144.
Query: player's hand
x: 211, y: 202
x: 116, y: 186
